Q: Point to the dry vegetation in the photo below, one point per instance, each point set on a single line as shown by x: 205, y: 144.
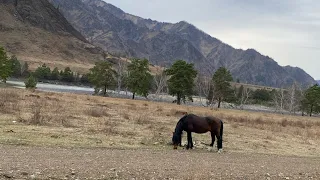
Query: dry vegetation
x: 70, y: 120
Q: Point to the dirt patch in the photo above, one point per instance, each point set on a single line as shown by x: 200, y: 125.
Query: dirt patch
x: 57, y: 163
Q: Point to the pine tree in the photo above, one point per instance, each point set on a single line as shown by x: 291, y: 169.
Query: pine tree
x: 102, y: 76
x: 181, y: 82
x: 139, y: 78
x: 221, y: 85
x: 5, y: 66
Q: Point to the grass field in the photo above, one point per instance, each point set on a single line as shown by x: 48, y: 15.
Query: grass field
x: 72, y: 120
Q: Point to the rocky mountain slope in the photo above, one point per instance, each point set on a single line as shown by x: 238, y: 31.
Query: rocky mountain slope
x: 162, y: 43
x: 36, y: 32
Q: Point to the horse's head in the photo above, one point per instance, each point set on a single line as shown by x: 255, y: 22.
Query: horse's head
x: 176, y: 140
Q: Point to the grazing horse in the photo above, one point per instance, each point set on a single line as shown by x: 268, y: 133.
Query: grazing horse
x: 193, y: 123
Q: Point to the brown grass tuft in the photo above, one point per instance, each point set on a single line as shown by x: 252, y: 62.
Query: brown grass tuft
x: 97, y: 112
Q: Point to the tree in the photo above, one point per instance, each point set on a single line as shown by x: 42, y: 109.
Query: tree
x: 15, y: 66
x: 243, y: 95
x: 160, y: 82
x: 55, y: 75
x: 5, y: 66
x: 261, y: 95
x: 181, y: 82
x: 293, y: 100
x: 221, y: 85
x: 311, y: 101
x: 67, y: 75
x: 31, y: 82
x: 203, y: 85
x: 120, y: 74
x: 25, y: 70
x: 43, y: 72
x: 139, y: 77
x: 102, y: 76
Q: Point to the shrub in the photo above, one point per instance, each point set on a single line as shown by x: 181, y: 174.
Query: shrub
x: 30, y: 83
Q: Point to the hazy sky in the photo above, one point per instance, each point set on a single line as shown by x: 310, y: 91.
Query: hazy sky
x: 286, y: 30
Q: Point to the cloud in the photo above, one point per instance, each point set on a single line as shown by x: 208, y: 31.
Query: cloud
x: 286, y: 30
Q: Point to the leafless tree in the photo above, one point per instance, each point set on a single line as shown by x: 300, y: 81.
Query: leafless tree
x: 294, y: 96
x: 121, y: 67
x: 160, y: 81
x: 203, y: 85
x: 246, y: 92
x: 279, y: 99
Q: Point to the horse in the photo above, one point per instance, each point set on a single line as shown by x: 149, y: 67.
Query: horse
x: 198, y: 124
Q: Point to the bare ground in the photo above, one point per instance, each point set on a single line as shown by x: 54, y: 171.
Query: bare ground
x: 21, y: 162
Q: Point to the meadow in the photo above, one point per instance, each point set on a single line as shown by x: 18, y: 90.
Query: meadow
x: 34, y: 118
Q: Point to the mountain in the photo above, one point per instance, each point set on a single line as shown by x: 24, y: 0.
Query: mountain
x: 36, y: 32
x: 162, y: 43
x: 318, y: 81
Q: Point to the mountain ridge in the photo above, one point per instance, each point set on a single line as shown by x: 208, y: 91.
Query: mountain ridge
x: 162, y: 43
x: 36, y: 32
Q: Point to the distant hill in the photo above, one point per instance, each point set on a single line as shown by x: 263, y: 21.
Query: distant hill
x: 318, y: 81
x: 37, y: 32
x: 162, y: 43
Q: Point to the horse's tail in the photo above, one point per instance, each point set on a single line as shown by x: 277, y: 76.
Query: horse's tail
x: 221, y: 133
x: 221, y: 129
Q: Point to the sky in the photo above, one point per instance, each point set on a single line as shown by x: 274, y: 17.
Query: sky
x: 286, y: 30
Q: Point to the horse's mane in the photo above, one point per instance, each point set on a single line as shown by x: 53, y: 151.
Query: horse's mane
x: 179, y: 126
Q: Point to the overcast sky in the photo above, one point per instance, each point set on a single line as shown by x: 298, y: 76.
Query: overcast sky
x: 286, y: 30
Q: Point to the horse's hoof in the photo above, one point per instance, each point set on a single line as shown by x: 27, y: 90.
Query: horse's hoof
x: 220, y: 151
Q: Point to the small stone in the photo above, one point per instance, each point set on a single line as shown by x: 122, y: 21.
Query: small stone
x: 113, y: 169
x: 287, y: 178
x: 8, y: 176
x: 24, y: 173
x: 268, y: 174
x: 33, y: 176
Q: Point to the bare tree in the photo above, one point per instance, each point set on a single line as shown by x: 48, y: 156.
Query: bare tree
x: 121, y: 67
x: 160, y: 81
x: 279, y: 99
x: 203, y: 85
x: 245, y: 94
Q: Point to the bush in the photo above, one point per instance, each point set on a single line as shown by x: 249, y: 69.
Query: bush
x: 31, y: 82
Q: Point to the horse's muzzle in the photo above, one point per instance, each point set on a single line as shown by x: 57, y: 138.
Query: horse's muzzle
x: 175, y: 146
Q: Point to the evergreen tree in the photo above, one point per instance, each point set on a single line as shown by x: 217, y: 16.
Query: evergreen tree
x: 102, y: 76
x: 31, y: 82
x: 5, y: 66
x: 67, y: 75
x: 15, y: 66
x: 139, y: 78
x: 221, y: 85
x: 43, y: 72
x: 181, y: 82
x: 55, y: 75
x: 311, y: 101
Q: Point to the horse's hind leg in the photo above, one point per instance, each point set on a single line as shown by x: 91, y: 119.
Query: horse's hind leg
x: 190, y: 143
x: 212, y: 140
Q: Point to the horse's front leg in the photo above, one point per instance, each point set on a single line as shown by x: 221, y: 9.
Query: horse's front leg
x: 190, y: 143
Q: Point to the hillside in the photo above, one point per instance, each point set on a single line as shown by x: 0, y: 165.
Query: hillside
x: 36, y: 32
x: 162, y: 43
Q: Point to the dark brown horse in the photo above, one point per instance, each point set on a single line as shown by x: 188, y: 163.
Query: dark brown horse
x: 193, y: 123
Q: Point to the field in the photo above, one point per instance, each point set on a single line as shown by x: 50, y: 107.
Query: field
x: 122, y: 138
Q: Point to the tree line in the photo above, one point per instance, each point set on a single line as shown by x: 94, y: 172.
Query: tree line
x: 180, y: 80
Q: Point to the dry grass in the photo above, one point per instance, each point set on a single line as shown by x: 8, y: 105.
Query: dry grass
x: 41, y: 118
